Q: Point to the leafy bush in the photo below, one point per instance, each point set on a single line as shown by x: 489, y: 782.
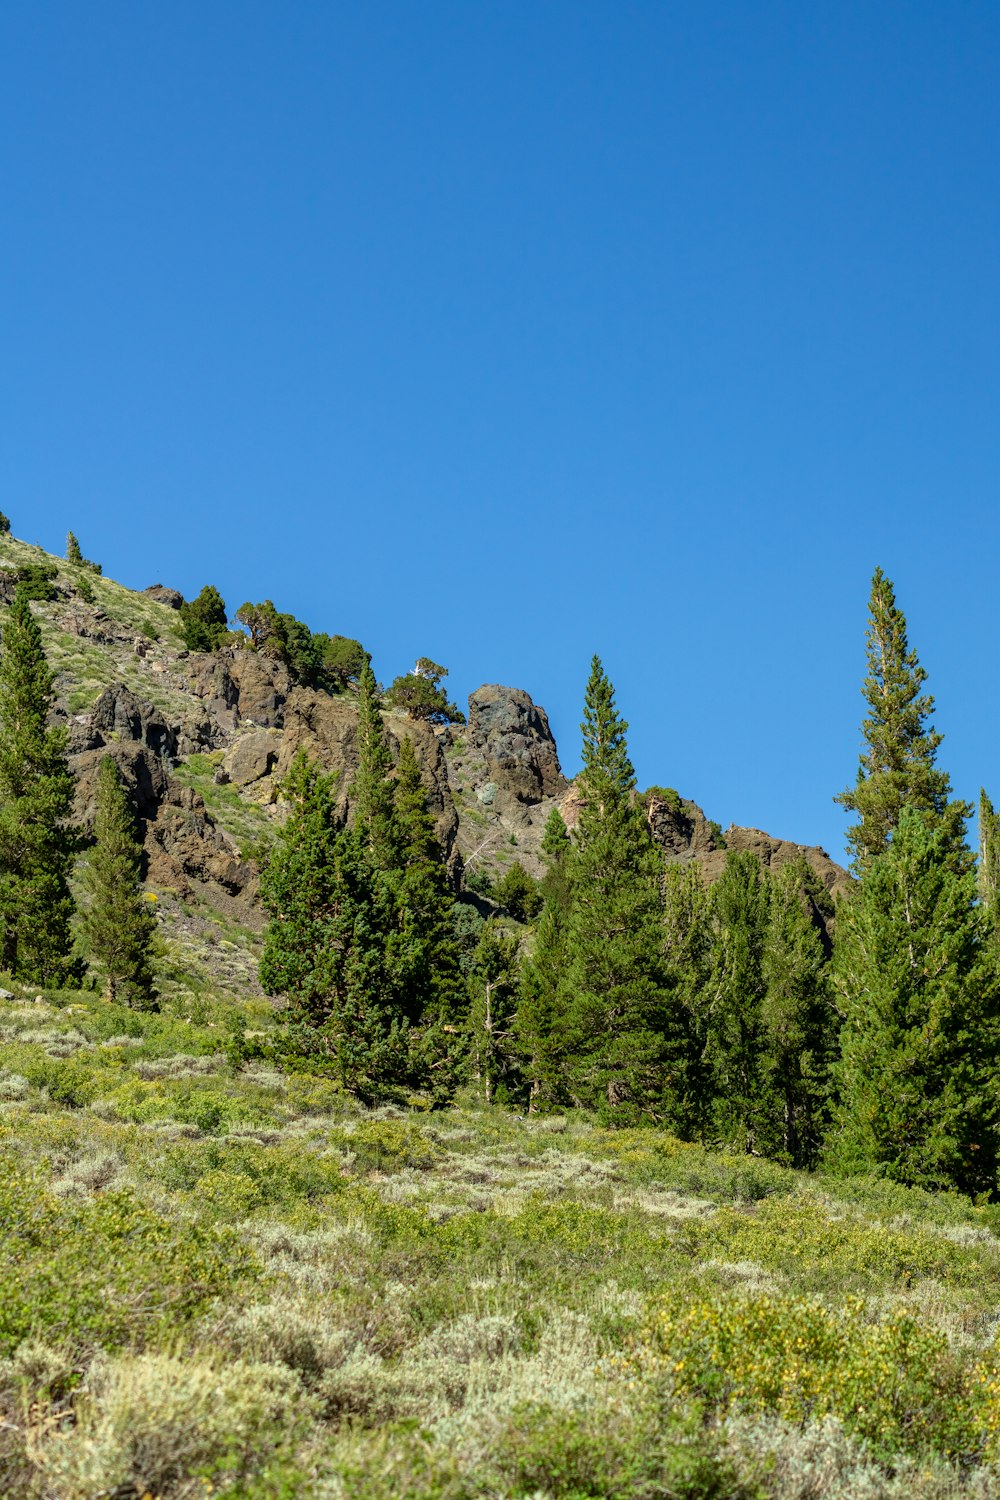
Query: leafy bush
x: 896, y: 1382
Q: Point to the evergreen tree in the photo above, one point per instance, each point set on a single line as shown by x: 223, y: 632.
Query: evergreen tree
x: 37, y: 843
x: 799, y: 1022
x: 203, y: 620
x: 493, y: 993
x: 687, y: 944
x: 73, y: 553
x: 897, y: 769
x: 539, y: 1023
x: 4, y: 524
x: 328, y: 944
x: 736, y: 1041
x: 372, y: 793
x: 431, y: 967
x: 622, y: 1041
x: 989, y: 860
x: 119, y: 923
x: 920, y: 998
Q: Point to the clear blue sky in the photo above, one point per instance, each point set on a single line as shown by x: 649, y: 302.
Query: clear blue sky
x: 508, y: 332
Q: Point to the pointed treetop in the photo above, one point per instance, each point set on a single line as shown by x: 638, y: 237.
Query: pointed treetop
x: 897, y: 766
x: 606, y: 765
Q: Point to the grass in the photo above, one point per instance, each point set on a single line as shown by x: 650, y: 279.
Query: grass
x: 219, y: 1278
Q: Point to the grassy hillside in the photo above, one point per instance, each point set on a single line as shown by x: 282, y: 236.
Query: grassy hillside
x: 220, y: 1280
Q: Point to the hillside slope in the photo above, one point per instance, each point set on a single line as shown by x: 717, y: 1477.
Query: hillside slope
x: 221, y: 1279
x: 203, y: 740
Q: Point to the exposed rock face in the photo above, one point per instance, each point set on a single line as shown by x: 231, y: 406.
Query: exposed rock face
x: 143, y: 773
x: 773, y: 853
x: 512, y: 734
x: 680, y: 828
x: 119, y: 713
x: 170, y: 597
x: 240, y: 687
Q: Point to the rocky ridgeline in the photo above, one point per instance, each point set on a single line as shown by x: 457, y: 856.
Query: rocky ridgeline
x: 203, y: 741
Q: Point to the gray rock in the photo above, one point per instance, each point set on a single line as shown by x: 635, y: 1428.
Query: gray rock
x: 7, y: 995
x: 513, y: 736
x: 487, y: 793
x: 170, y: 597
x: 119, y: 713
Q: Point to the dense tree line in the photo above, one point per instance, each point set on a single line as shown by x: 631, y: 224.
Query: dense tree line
x: 631, y: 988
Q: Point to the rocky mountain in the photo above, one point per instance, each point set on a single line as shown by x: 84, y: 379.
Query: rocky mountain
x: 203, y: 740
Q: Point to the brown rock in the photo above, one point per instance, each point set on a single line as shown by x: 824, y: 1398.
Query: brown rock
x: 252, y: 756
x: 120, y: 714
x: 170, y: 597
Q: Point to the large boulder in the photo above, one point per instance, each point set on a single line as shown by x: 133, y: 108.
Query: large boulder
x: 512, y: 735
x: 773, y: 853
x: 252, y: 756
x: 170, y: 597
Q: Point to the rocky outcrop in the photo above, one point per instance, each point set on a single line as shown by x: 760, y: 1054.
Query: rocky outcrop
x: 512, y: 735
x: 773, y: 853
x: 239, y: 686
x: 679, y: 827
x: 119, y: 714
x: 143, y: 773
x: 170, y: 597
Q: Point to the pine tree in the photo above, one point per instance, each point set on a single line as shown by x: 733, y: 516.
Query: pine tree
x: 328, y: 943
x: 799, y: 1022
x: 493, y: 992
x: 989, y: 860
x: 372, y: 794
x: 539, y: 1026
x: 687, y: 945
x: 37, y: 842
x: 736, y: 1040
x: 119, y: 923
x: 621, y: 1038
x: 73, y: 553
x: 431, y: 969
x: 920, y: 997
x: 897, y: 769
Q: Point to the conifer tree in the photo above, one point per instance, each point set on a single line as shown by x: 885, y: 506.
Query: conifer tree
x: 687, y: 944
x: 73, y: 553
x: 493, y: 992
x: 539, y: 1023
x: 736, y: 1034
x: 621, y: 1038
x: 920, y: 998
x: 431, y: 968
x: 376, y: 820
x: 37, y: 842
x: 119, y: 923
x: 799, y: 1022
x: 897, y: 768
x: 989, y: 860
x: 328, y: 944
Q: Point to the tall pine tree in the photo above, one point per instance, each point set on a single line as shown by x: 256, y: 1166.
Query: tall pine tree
x: 493, y: 995
x: 37, y: 842
x: 328, y: 944
x: 735, y: 1045
x: 920, y: 997
x: 372, y: 798
x: 897, y: 767
x: 119, y: 924
x: 989, y: 861
x: 622, y: 1039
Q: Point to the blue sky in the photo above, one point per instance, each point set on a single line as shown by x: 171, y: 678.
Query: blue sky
x: 507, y: 332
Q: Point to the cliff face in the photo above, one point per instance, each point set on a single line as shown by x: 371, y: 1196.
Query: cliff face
x: 203, y: 740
